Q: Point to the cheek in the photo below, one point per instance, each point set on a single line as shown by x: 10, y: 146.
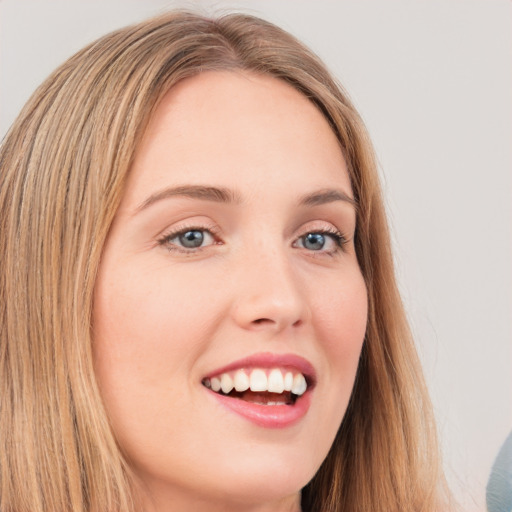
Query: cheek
x: 340, y: 324
x: 143, y: 354
x: 149, y: 329
x: 341, y: 312
x: 132, y: 333
x: 142, y: 316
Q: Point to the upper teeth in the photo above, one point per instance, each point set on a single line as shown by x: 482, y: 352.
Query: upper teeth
x: 274, y: 380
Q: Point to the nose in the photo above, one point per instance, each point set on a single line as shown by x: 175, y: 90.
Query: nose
x: 269, y: 294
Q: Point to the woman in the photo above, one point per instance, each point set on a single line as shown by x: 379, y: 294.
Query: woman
x: 198, y: 302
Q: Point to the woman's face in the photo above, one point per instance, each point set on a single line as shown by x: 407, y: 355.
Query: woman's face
x: 230, y: 262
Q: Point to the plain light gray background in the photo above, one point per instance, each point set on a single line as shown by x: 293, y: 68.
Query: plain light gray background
x: 433, y: 81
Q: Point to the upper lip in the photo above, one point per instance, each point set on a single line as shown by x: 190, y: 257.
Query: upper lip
x: 270, y: 360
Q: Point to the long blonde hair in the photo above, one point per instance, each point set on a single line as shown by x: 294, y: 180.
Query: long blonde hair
x: 63, y: 165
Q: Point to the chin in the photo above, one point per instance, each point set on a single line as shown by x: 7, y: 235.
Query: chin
x: 272, y: 485
x: 273, y: 476
x: 238, y: 479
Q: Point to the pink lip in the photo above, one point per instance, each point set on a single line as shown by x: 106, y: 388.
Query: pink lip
x: 269, y: 416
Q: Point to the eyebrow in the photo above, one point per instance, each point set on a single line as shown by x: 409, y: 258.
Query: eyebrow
x: 226, y: 195
x: 216, y: 194
x: 326, y: 196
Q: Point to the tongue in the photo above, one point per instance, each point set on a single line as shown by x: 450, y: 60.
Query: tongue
x: 266, y: 397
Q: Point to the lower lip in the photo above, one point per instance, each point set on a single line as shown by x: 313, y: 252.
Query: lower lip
x: 268, y: 416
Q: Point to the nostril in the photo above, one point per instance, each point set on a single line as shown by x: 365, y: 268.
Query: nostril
x: 270, y: 322
x: 261, y: 321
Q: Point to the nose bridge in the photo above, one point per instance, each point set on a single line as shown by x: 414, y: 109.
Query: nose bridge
x: 269, y: 292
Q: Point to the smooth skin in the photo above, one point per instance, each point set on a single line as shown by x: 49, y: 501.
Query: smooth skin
x: 193, y: 279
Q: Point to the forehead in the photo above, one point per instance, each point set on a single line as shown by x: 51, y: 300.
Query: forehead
x: 236, y: 129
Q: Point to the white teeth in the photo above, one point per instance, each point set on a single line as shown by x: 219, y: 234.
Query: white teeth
x: 275, y: 382
x: 226, y: 383
x: 299, y: 384
x: 241, y: 381
x: 288, y: 381
x: 215, y: 384
x: 258, y: 381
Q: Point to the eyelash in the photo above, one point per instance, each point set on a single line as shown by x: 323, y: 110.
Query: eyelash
x: 336, y: 236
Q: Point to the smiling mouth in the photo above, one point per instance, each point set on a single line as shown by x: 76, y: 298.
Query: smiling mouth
x: 271, y: 386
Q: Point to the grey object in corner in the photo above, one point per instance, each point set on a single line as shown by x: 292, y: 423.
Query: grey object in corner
x: 499, y: 487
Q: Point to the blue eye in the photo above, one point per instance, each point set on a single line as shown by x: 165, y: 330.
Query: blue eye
x: 188, y: 239
x: 314, y: 241
x: 325, y: 241
x: 191, y: 239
